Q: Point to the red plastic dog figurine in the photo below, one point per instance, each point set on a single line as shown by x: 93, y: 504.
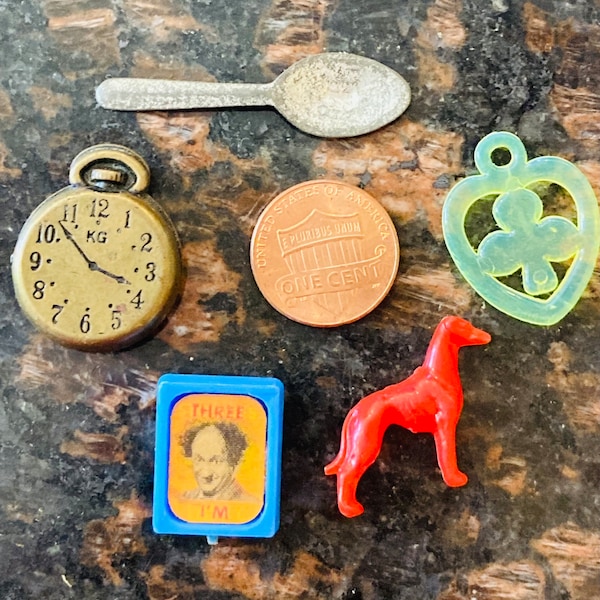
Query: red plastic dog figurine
x: 428, y: 401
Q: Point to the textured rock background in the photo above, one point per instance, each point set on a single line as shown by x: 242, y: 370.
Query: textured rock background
x: 76, y: 430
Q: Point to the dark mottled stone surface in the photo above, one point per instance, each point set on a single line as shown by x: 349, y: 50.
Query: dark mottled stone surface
x: 77, y: 430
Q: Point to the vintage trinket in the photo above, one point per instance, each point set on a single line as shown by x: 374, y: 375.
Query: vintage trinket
x: 524, y: 239
x: 218, y: 456
x: 428, y: 401
x: 324, y: 253
x: 334, y: 94
x: 97, y: 265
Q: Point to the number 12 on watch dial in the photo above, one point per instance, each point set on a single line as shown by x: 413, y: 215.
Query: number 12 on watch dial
x: 98, y: 267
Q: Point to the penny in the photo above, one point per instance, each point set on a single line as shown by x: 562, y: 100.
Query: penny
x: 324, y: 253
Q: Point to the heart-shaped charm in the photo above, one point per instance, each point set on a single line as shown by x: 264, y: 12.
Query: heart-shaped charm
x: 524, y: 240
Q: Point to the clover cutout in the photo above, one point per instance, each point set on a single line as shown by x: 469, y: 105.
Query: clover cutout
x: 527, y: 241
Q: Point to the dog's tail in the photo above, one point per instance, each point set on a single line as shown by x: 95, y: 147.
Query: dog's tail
x: 334, y: 466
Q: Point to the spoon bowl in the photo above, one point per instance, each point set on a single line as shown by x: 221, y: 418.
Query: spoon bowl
x: 327, y: 95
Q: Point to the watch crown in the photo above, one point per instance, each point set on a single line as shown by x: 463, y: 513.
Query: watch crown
x: 107, y: 175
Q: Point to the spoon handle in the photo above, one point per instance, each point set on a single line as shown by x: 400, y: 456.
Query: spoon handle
x: 123, y: 93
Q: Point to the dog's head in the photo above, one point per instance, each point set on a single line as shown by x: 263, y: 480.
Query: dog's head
x: 462, y: 333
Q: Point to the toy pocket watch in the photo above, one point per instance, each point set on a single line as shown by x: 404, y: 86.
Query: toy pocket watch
x: 97, y: 265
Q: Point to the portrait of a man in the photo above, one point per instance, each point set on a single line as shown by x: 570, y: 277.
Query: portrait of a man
x: 216, y: 450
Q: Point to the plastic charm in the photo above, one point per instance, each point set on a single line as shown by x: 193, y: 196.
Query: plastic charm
x: 218, y: 456
x: 526, y: 240
x: 429, y: 401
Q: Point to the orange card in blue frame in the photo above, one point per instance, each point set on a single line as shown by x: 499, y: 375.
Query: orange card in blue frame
x: 218, y: 456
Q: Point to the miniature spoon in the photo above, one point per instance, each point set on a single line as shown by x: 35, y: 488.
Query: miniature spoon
x: 328, y: 95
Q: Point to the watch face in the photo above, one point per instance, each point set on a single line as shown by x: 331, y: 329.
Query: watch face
x: 96, y: 270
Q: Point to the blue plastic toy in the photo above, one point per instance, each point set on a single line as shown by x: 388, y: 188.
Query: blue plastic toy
x: 218, y: 456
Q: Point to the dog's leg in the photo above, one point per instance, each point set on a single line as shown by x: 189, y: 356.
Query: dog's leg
x: 362, y: 443
x: 347, y: 481
x: 345, y: 466
x: 445, y: 445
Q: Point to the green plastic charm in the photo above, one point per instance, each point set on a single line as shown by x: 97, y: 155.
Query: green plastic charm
x: 526, y: 240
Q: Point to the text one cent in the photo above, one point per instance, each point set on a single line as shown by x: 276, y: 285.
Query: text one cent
x: 324, y: 253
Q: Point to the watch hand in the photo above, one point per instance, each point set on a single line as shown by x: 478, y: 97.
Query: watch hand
x: 93, y: 265
x: 77, y: 246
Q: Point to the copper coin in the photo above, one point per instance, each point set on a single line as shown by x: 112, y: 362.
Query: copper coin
x: 324, y: 253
